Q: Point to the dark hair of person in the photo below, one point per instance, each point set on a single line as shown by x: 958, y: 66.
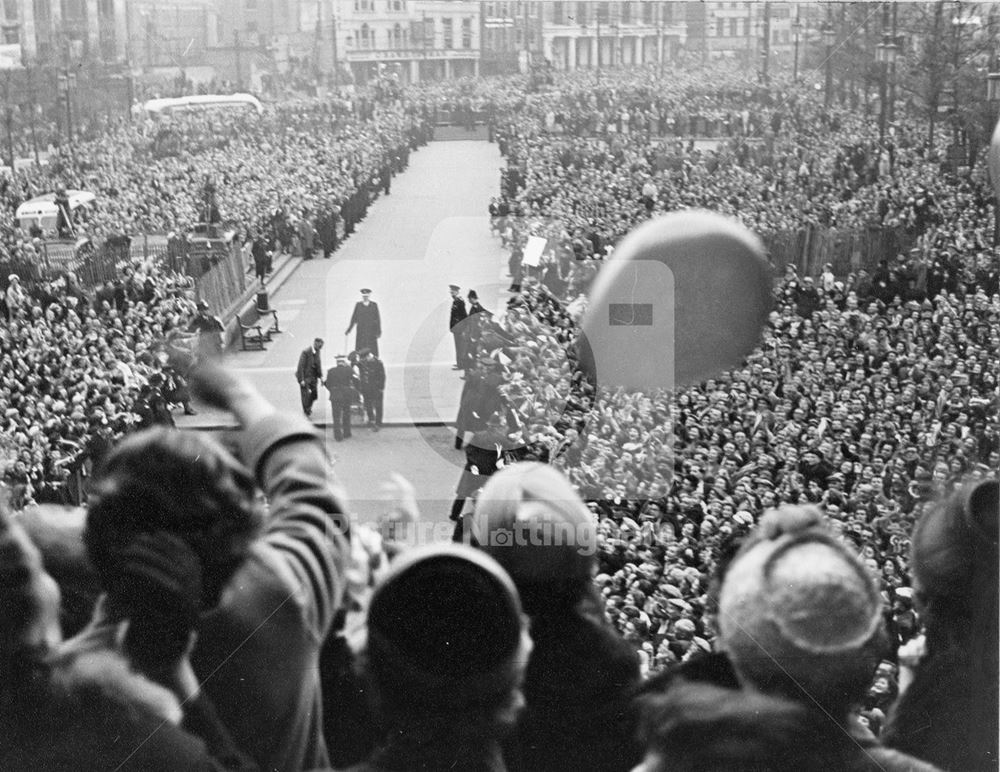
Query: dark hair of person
x: 954, y: 561
x: 181, y: 483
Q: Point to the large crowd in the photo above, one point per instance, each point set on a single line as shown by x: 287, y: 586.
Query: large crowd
x: 852, y: 458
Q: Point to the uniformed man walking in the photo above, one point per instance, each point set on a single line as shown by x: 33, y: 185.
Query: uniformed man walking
x: 372, y: 385
x: 340, y: 384
x: 367, y: 319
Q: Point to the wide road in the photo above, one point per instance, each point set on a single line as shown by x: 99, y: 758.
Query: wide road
x: 432, y: 230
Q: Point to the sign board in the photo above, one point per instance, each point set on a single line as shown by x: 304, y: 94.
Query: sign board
x: 533, y: 251
x: 10, y: 56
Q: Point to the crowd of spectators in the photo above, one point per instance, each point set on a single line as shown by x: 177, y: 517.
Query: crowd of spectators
x: 869, y: 394
x: 868, y: 398
x: 297, y: 178
x: 585, y: 164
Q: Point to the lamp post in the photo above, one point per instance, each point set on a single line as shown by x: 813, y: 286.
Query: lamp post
x: 829, y: 40
x: 797, y: 30
x: 9, y: 120
x: 885, y: 55
x: 993, y: 97
x: 66, y: 79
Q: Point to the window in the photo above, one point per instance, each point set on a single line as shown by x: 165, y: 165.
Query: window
x: 746, y: 27
x: 603, y: 13
x: 732, y: 27
x: 667, y: 13
x: 626, y: 13
x: 397, y: 36
x: 581, y: 13
x: 466, y: 33
x: 558, y: 12
x: 74, y: 9
x: 647, y: 12
x: 250, y: 5
x: 10, y: 10
x: 430, y: 34
x: 42, y: 10
x: 720, y: 27
x: 365, y: 37
x: 11, y: 35
x: 448, y: 33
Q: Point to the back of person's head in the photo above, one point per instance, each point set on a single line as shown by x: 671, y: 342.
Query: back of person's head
x: 799, y: 614
x: 447, y: 640
x: 700, y: 727
x: 180, y: 483
x: 529, y: 518
x: 955, y: 569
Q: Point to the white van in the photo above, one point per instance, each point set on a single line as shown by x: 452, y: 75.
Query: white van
x: 42, y: 211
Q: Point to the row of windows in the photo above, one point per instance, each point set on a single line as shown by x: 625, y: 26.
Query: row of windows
x: 735, y: 24
x: 398, y: 37
x: 624, y: 12
x: 369, y: 5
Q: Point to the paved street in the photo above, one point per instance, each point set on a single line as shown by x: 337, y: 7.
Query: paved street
x: 432, y: 230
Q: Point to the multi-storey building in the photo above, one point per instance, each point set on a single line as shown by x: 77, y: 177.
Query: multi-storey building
x: 738, y: 30
x: 413, y: 39
x: 611, y: 34
x: 56, y: 31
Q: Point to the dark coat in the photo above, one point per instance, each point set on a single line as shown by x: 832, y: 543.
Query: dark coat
x: 578, y: 687
x: 340, y: 383
x: 944, y: 718
x: 309, y: 369
x: 102, y: 733
x: 458, y: 313
x: 369, y: 324
x: 371, y: 375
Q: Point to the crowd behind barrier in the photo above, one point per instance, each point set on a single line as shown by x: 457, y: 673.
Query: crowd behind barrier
x: 870, y: 395
x: 295, y: 181
x: 873, y: 388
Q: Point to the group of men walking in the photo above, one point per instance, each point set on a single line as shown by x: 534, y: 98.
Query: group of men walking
x: 360, y: 373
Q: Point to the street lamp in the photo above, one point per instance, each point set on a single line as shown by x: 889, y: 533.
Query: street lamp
x: 797, y: 29
x: 829, y: 40
x: 993, y: 97
x: 885, y: 55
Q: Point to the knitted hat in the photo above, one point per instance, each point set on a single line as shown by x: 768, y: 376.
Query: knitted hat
x: 799, y: 613
x: 529, y: 518
x: 445, y: 631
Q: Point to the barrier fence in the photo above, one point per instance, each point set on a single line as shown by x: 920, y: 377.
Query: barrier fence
x: 847, y: 250
x: 221, y: 277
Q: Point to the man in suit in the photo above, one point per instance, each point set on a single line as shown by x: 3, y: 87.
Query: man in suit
x: 308, y: 373
x: 340, y: 383
x: 372, y: 385
x: 368, y: 321
x: 455, y: 320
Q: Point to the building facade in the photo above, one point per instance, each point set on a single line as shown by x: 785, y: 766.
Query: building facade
x: 63, y: 31
x: 762, y: 35
x: 611, y: 34
x: 413, y: 40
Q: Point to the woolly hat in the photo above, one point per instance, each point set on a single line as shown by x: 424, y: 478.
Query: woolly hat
x: 798, y: 613
x: 529, y: 518
x: 445, y: 631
